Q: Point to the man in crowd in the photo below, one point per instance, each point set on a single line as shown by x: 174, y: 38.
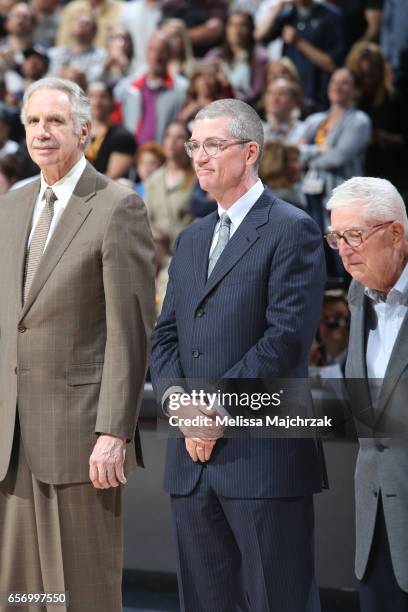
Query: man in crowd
x: 155, y: 99
x: 77, y: 299
x: 369, y: 227
x: 243, y: 301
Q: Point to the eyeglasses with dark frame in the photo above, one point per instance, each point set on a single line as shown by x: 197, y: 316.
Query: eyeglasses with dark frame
x: 353, y: 237
x: 211, y: 146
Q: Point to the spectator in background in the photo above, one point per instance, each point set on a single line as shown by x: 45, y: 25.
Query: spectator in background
x: 394, y: 35
x: 20, y: 24
x: 155, y: 99
x: 362, y: 20
x: 181, y: 60
x: 119, y: 62
x: 112, y: 148
x: 81, y: 50
x: 334, y: 328
x: 386, y: 109
x: 48, y: 15
x: 204, y: 87
x: 168, y: 191
x: 313, y: 39
x: 282, y: 67
x: 8, y: 172
x: 149, y: 157
x: 163, y: 258
x: 334, y: 144
x: 73, y: 73
x: 282, y: 102
x: 244, y: 64
x: 204, y: 19
x: 105, y: 12
x: 141, y: 18
x: 281, y: 171
x: 7, y: 146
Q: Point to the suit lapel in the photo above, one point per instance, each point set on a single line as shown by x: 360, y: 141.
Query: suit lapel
x: 396, y: 365
x: 358, y: 382
x: 201, y: 248
x: 71, y: 220
x: 241, y: 241
x: 24, y: 216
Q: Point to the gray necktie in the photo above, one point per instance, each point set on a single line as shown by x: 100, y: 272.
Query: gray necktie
x: 38, y: 240
x: 223, y: 237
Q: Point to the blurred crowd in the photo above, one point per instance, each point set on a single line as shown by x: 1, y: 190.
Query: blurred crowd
x: 329, y: 79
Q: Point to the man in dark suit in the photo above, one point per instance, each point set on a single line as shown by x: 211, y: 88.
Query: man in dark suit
x: 76, y: 305
x: 370, y: 230
x: 243, y: 302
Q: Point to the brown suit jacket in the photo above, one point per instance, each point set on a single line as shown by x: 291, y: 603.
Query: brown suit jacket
x: 74, y: 357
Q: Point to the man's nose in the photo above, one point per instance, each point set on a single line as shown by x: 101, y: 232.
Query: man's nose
x: 201, y: 155
x: 344, y: 248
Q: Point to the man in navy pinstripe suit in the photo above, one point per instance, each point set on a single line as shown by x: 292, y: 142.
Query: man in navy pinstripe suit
x: 243, y: 302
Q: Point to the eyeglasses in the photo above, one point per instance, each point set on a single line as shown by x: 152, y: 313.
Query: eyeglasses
x: 211, y: 147
x: 353, y: 237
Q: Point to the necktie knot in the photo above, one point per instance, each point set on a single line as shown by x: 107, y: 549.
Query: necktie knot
x: 223, y: 237
x: 50, y: 198
x: 225, y: 221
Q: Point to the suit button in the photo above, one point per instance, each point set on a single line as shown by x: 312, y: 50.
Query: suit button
x: 375, y: 493
x: 380, y: 447
x: 16, y: 370
x: 21, y: 328
x: 200, y: 312
x: 196, y: 354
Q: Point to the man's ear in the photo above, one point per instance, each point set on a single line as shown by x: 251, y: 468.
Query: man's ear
x: 398, y: 232
x: 253, y: 152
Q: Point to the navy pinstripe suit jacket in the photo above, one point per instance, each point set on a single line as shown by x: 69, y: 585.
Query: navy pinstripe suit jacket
x: 255, y: 317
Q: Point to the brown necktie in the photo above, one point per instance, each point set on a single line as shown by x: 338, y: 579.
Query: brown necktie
x: 36, y: 249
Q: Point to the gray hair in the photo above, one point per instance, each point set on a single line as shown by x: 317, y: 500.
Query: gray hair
x: 245, y: 121
x: 379, y: 199
x: 80, y: 107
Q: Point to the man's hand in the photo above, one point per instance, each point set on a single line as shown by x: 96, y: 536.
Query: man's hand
x: 208, y: 428
x: 289, y: 35
x: 106, y: 462
x: 198, y: 449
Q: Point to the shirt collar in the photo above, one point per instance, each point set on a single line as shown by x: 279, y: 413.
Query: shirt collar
x: 243, y: 205
x: 64, y: 188
x: 398, y: 293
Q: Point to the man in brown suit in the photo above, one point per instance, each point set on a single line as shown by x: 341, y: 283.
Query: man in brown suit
x: 76, y: 306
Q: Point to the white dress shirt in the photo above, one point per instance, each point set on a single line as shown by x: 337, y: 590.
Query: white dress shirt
x: 238, y: 211
x: 63, y: 190
x: 388, y: 316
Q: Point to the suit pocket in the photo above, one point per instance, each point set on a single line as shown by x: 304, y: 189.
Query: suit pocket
x: 84, y: 374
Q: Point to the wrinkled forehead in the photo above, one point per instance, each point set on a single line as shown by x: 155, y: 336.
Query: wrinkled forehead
x: 344, y: 217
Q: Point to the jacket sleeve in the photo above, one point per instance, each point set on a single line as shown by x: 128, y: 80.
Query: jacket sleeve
x: 295, y: 293
x: 165, y: 364
x: 128, y: 280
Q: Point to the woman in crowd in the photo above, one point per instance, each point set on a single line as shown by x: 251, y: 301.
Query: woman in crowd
x: 168, y: 191
x: 387, y: 112
x: 149, y: 157
x: 334, y: 144
x: 181, y: 60
x: 282, y: 67
x: 243, y: 63
x: 119, y: 60
x: 282, y: 101
x: 204, y: 87
x: 281, y: 171
x: 112, y: 148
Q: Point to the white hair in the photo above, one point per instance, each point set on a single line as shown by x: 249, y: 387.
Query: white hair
x: 80, y: 107
x: 378, y: 198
